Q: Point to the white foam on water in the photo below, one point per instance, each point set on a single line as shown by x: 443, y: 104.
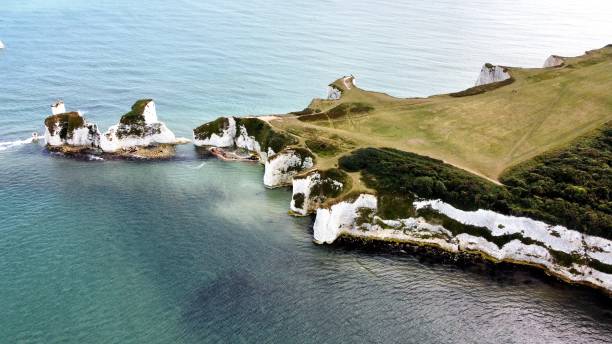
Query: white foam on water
x: 11, y: 144
x: 199, y: 166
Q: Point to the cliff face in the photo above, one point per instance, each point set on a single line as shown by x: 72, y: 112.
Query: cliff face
x: 71, y: 129
x: 568, y: 254
x: 255, y: 135
x: 311, y: 190
x: 282, y: 167
x: 137, y: 128
x: 490, y: 74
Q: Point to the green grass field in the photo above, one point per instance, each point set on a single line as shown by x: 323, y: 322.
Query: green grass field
x: 485, y: 133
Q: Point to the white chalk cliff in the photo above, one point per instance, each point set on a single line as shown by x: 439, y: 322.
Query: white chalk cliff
x: 305, y: 199
x: 229, y: 132
x: 141, y: 133
x: 358, y: 219
x: 553, y: 61
x: 280, y: 168
x: 490, y: 74
x: 225, y: 138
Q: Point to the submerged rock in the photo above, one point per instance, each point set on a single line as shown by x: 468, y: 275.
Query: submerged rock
x: 490, y: 74
x: 137, y: 129
x: 554, y: 61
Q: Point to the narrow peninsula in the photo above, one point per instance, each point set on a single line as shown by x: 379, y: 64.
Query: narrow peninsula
x: 515, y: 169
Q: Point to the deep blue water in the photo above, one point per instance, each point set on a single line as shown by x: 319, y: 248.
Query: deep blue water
x: 196, y: 251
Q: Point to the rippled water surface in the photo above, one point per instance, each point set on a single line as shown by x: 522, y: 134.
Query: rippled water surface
x: 193, y: 250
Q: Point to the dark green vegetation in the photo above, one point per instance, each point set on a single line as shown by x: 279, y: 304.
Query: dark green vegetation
x: 298, y: 200
x: 206, y: 130
x: 569, y: 186
x: 339, y: 111
x: 482, y: 88
x: 396, y: 174
x: 135, y: 116
x: 68, y: 122
x: 265, y: 135
x: 324, y: 148
x: 139, y: 130
x: 306, y: 111
x: 327, y: 188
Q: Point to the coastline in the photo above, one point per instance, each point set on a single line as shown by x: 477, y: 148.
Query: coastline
x: 319, y: 175
x: 471, y: 261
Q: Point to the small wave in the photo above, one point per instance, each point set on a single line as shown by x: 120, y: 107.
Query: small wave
x: 199, y: 166
x: 94, y: 158
x: 10, y: 144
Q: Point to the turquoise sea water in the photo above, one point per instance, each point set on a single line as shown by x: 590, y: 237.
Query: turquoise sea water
x: 194, y: 250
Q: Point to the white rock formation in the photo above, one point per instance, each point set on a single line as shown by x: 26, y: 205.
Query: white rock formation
x: 302, y: 188
x: 126, y: 136
x: 227, y: 138
x: 340, y: 217
x: 58, y: 107
x: 235, y: 136
x: 554, y: 61
x: 558, y: 238
x: 344, y: 218
x: 280, y: 168
x: 490, y: 74
x: 86, y: 135
x: 333, y: 93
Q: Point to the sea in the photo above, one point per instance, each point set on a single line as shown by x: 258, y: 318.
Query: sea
x: 196, y: 250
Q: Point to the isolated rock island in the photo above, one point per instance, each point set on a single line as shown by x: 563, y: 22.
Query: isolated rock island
x: 139, y: 134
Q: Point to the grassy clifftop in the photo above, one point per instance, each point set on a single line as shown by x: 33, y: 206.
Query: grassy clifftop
x: 484, y: 132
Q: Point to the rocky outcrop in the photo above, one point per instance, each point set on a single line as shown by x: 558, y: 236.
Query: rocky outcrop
x: 218, y: 133
x: 255, y: 135
x: 249, y: 133
x: 70, y: 129
x: 490, y: 74
x: 280, y: 168
x: 554, y: 61
x: 565, y: 253
x: 138, y: 128
x: 333, y: 93
x: 58, y: 107
x: 312, y: 189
